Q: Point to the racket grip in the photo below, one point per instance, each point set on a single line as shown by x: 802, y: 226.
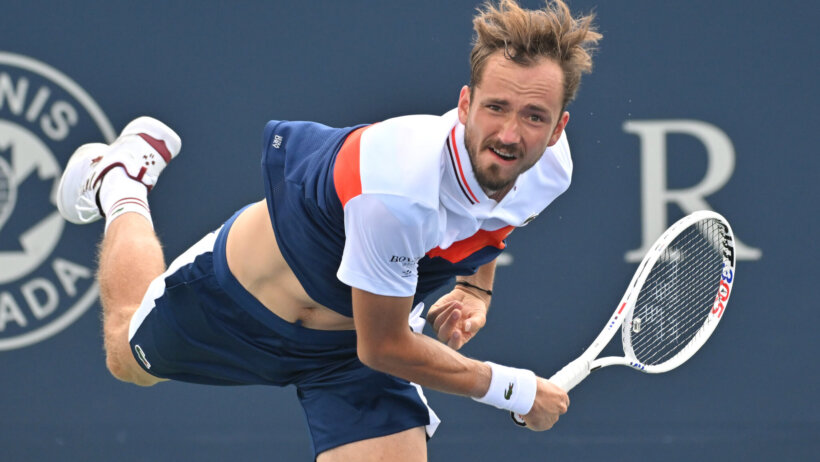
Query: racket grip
x: 572, y: 374
x: 567, y: 378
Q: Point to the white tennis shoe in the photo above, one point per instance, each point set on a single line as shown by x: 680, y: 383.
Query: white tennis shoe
x: 142, y: 150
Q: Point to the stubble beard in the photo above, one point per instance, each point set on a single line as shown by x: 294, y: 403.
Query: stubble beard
x: 488, y: 178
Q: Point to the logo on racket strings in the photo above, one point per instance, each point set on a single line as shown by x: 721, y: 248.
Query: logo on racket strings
x: 46, y: 276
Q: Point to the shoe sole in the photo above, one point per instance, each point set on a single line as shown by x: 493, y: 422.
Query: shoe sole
x: 83, y: 154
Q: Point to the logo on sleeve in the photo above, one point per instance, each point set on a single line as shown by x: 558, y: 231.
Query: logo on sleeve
x: 408, y: 264
x: 529, y: 219
x: 277, y: 142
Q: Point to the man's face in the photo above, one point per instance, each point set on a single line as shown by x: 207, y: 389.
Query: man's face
x: 510, y: 119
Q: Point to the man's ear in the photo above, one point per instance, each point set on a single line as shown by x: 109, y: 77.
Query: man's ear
x: 463, y: 104
x: 559, y: 128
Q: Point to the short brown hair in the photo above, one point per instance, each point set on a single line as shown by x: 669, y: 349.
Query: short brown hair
x: 525, y: 36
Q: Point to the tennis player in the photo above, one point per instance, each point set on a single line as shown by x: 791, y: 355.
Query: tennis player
x: 315, y: 285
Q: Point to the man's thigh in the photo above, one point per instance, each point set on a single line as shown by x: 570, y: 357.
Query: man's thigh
x: 406, y: 446
x: 353, y: 403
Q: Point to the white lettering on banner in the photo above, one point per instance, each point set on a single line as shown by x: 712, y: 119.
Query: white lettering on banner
x: 39, y: 308
x: 654, y: 192
x: 41, y: 295
x: 68, y: 273
x: 10, y: 311
x: 55, y: 124
x: 37, y: 104
x: 46, y: 280
x: 14, y: 97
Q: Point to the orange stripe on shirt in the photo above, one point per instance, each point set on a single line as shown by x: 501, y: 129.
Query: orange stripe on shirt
x: 466, y: 247
x: 347, y: 178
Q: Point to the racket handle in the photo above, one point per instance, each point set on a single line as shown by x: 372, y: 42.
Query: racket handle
x: 567, y: 378
x: 572, y: 374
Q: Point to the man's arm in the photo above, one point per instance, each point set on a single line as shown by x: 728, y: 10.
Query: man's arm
x: 386, y: 343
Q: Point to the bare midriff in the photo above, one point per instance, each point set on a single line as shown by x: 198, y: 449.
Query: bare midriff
x: 256, y: 262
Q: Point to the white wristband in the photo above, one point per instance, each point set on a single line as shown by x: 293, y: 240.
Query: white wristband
x: 511, y: 389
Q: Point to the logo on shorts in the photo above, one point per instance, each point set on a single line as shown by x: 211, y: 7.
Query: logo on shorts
x: 46, y: 275
x: 141, y: 356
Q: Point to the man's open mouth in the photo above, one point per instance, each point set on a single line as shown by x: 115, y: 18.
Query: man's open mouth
x: 502, y: 154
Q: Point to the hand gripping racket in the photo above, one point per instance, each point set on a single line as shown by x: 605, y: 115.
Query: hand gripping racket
x: 672, y: 305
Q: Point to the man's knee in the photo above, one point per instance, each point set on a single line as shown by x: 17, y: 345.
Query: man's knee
x: 122, y: 365
x: 118, y: 357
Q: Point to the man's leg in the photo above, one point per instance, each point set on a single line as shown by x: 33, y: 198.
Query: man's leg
x: 358, y: 414
x: 113, y: 182
x: 407, y: 446
x: 130, y: 258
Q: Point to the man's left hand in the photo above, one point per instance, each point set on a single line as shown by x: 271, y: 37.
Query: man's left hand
x: 457, y: 317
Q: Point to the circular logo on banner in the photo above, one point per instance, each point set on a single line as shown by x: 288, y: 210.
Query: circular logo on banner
x: 46, y: 265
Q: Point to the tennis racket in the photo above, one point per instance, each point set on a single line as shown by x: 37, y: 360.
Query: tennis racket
x: 672, y: 305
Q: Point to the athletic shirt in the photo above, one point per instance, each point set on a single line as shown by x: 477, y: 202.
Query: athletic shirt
x: 391, y: 208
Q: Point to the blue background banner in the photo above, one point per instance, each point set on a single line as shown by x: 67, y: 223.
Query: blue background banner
x: 691, y: 104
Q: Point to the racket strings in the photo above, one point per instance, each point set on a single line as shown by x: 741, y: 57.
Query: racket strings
x: 678, y: 321
x: 678, y: 294
x: 688, y: 319
x: 667, y: 330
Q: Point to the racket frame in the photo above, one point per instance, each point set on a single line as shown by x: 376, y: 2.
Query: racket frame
x: 575, y: 372
x: 622, y: 316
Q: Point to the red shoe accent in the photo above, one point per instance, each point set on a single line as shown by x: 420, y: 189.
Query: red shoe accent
x: 159, y: 146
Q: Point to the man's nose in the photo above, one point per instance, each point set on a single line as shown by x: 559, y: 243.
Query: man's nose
x: 510, y: 131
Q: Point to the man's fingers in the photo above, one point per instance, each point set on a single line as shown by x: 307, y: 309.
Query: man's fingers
x: 444, y: 316
x: 473, y: 323
x: 455, y: 340
x: 450, y: 325
x: 563, y: 402
x: 434, y: 314
x: 539, y: 425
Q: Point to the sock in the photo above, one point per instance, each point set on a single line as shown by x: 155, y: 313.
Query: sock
x: 120, y: 194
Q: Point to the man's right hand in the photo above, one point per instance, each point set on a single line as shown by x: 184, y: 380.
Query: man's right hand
x: 550, y: 403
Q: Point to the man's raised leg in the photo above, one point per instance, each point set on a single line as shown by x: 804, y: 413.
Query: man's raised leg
x: 113, y: 182
x: 130, y: 258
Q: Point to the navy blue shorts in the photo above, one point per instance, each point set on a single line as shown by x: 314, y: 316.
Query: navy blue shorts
x: 198, y: 324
